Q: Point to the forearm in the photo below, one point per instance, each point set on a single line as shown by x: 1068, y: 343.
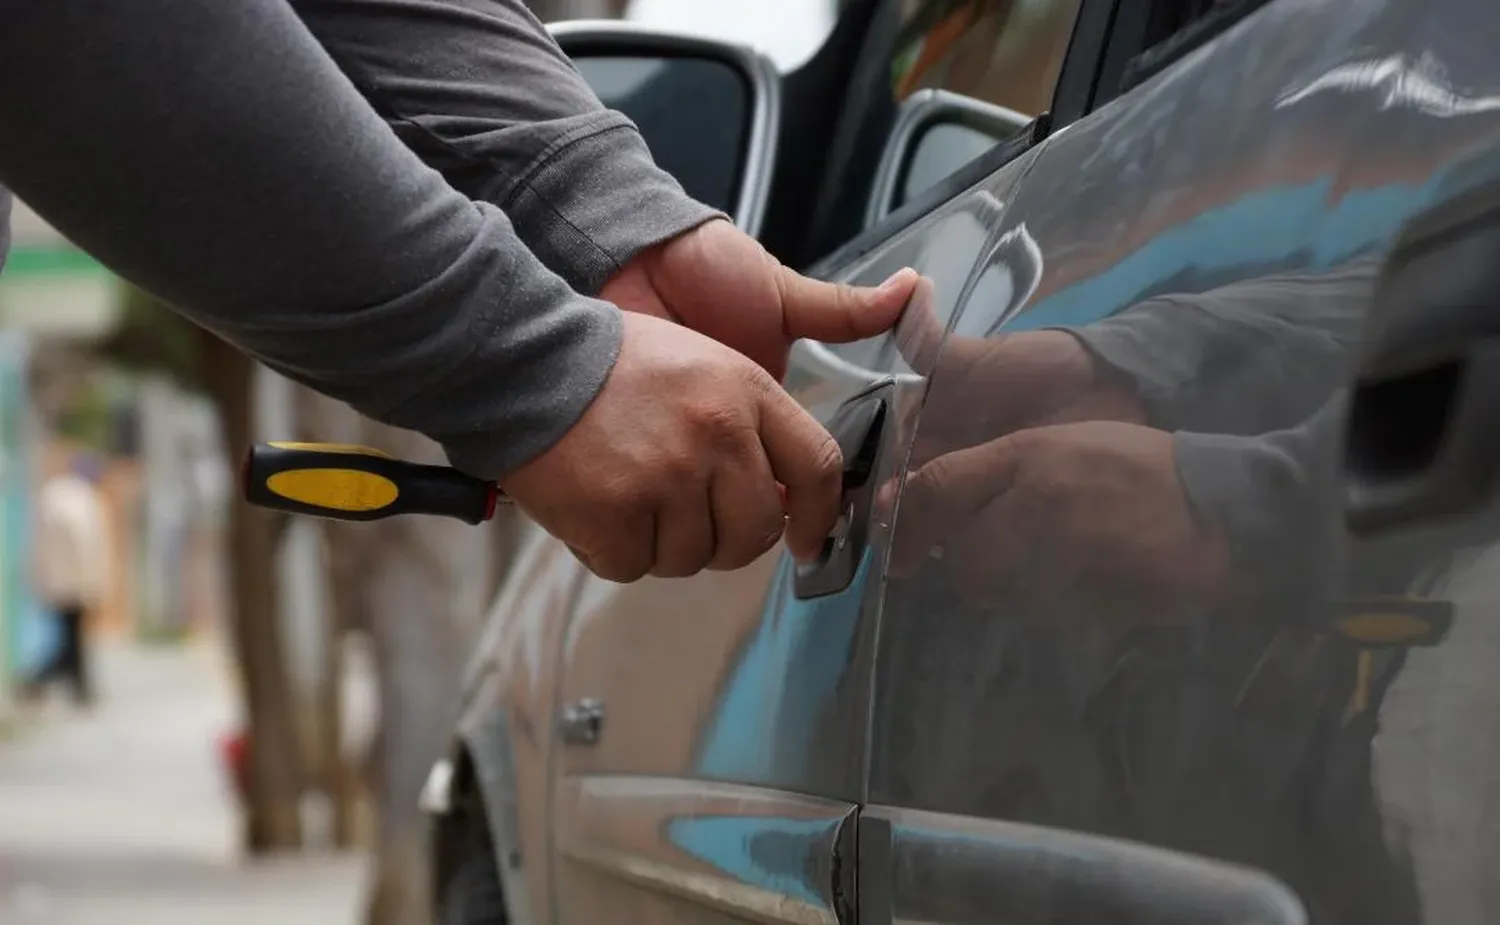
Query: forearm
x: 479, y: 90
x: 1247, y: 358
x: 214, y: 155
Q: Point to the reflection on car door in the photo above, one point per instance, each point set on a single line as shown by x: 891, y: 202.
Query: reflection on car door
x: 1123, y: 611
x: 729, y: 746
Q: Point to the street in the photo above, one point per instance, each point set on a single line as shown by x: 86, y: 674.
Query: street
x: 121, y: 815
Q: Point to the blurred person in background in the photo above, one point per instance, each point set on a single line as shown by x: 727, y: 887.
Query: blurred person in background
x: 72, y: 557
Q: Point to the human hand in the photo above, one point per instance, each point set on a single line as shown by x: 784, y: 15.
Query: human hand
x: 675, y: 465
x: 1085, y: 519
x: 720, y: 282
x: 983, y: 388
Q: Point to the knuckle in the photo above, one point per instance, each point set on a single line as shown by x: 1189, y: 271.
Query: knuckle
x: 677, y: 473
x: 685, y: 561
x: 848, y: 300
x: 719, y: 422
x: 614, y: 541
x: 757, y: 380
x: 924, y: 488
x: 747, y: 548
x: 682, y: 567
x: 746, y: 532
x: 617, y: 570
x: 623, y: 514
x: 764, y: 541
x: 828, y: 459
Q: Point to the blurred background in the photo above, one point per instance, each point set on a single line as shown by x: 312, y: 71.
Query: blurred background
x: 208, y: 636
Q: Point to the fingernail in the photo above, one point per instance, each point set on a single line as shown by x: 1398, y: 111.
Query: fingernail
x: 896, y: 279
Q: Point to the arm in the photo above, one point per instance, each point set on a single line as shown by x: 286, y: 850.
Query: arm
x: 213, y: 154
x: 1277, y: 499
x: 479, y: 90
x: 1250, y: 357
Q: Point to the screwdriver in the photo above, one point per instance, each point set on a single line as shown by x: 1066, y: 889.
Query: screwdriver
x: 346, y: 482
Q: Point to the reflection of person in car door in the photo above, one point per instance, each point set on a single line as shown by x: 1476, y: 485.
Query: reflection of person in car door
x: 1162, y: 483
x: 1150, y: 416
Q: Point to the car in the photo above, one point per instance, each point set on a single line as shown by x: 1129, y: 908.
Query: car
x: 1163, y: 590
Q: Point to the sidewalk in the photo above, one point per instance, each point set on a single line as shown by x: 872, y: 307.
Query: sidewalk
x: 121, y: 816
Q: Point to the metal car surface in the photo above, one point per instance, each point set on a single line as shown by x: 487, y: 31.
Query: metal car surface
x: 1110, y: 653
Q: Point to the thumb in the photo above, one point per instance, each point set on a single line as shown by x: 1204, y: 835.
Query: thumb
x: 838, y: 313
x: 944, y: 495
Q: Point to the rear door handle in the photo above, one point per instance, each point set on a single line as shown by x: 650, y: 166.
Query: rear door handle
x: 1423, y: 437
x: 857, y: 426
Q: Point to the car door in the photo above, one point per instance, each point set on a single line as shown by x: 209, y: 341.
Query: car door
x: 714, y: 737
x: 727, y: 747
x: 1132, y: 664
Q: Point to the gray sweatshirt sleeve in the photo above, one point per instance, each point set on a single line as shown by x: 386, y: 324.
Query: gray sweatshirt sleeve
x: 479, y: 90
x: 214, y: 154
x: 1277, y: 498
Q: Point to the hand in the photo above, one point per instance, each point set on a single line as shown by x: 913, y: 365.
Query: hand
x: 674, y: 466
x: 1085, y: 519
x: 983, y: 388
x: 720, y: 282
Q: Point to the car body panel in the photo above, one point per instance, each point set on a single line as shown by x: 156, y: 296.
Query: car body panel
x: 731, y: 678
x: 1031, y: 679
x: 922, y: 867
x: 1132, y: 624
x: 510, y: 711
x: 659, y: 849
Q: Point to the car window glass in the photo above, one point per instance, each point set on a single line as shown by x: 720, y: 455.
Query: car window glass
x: 1006, y: 52
x: 938, y: 152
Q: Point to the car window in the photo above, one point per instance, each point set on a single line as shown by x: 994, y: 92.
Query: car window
x: 1006, y: 52
x: 939, y: 152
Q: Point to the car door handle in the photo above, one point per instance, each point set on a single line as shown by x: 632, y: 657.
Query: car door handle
x: 857, y: 426
x: 1423, y: 435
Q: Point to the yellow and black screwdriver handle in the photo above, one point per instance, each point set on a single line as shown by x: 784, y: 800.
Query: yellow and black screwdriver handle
x: 345, y: 482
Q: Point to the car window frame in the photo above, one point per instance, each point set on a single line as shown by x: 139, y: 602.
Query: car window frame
x: 924, y: 109
x: 1077, y: 80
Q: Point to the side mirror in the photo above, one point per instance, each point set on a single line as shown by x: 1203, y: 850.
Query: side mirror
x: 709, y: 111
x: 935, y: 133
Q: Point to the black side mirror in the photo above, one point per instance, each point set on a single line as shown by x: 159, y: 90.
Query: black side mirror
x: 935, y: 133
x: 709, y: 111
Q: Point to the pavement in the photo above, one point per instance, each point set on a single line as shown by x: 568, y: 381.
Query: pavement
x: 121, y: 815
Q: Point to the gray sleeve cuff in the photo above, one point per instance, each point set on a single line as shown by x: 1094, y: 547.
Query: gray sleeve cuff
x: 1274, y: 501
x: 594, y: 199
x: 527, y: 424
x: 536, y: 358
x: 1158, y: 348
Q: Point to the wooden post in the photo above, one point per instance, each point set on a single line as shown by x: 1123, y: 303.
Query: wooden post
x: 273, y: 818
